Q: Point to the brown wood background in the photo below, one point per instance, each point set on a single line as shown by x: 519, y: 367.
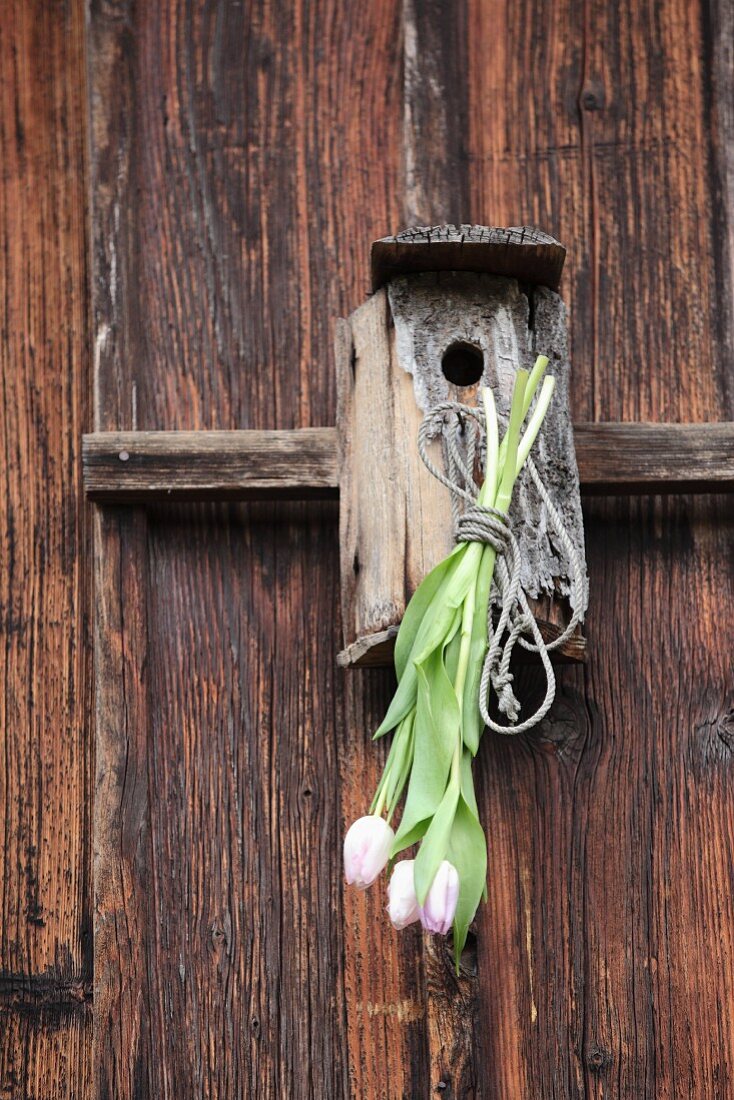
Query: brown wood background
x: 241, y: 157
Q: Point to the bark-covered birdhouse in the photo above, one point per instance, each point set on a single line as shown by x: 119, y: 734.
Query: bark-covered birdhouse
x: 453, y: 308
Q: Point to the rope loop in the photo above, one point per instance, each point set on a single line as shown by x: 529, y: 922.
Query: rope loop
x: 463, y: 433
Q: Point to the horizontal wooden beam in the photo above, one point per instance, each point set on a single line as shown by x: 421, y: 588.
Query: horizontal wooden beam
x: 635, y: 458
x: 304, y: 464
x: 238, y: 465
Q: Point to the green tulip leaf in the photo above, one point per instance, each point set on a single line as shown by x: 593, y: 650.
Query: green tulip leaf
x: 467, y: 850
x: 421, y: 604
x: 435, y: 733
x: 435, y: 844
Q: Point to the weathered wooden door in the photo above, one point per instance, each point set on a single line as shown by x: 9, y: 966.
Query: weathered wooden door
x: 180, y: 228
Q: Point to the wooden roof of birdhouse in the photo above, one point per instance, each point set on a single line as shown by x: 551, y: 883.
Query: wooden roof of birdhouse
x: 520, y: 252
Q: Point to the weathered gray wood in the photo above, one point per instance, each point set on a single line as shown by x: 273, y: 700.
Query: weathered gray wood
x: 395, y: 517
x: 520, y: 252
x: 435, y: 108
x: 433, y: 310
x: 392, y: 514
x: 236, y: 465
x: 370, y: 651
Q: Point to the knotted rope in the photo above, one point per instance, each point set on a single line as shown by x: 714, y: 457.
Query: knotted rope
x: 463, y: 432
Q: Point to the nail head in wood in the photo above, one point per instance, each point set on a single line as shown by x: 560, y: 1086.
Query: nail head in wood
x: 238, y: 465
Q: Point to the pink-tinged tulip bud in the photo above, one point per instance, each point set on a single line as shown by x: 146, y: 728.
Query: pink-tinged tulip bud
x: 366, y: 850
x: 437, y: 915
x: 402, y: 904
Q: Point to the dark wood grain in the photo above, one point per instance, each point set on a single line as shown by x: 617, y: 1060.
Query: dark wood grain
x: 45, y: 658
x: 604, y: 951
x: 237, y: 182
x: 123, y: 1056
x: 46, y: 1052
x: 242, y: 161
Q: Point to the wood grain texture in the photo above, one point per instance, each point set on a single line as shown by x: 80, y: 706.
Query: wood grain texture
x: 46, y: 1053
x: 522, y: 252
x: 237, y: 181
x: 124, y: 965
x: 613, y: 459
x: 435, y: 105
x: 242, y: 161
x: 45, y: 660
x: 607, y: 940
x: 145, y: 466
x: 619, y: 459
x: 376, y: 575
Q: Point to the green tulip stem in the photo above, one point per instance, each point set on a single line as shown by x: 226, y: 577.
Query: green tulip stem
x: 535, y: 422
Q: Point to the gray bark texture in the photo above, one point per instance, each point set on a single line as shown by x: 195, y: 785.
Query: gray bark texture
x: 511, y: 326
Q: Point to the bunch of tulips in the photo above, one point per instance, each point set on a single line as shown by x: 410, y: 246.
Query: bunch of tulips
x: 435, y: 714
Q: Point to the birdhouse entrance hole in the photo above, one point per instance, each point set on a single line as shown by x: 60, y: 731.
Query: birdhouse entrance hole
x: 462, y: 363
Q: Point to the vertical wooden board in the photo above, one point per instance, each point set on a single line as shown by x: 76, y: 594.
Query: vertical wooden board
x: 659, y: 916
x: 384, y: 485
x: 238, y: 181
x: 614, y: 161
x: 435, y: 110
x: 124, y: 963
x: 243, y: 158
x: 245, y: 964
x: 45, y: 660
x: 718, y: 34
x: 46, y: 1055
x: 437, y: 189
x: 386, y: 994
x: 609, y: 923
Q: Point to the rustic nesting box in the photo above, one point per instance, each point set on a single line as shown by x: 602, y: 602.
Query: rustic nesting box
x: 452, y: 309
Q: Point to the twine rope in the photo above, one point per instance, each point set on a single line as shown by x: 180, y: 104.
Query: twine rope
x: 463, y: 433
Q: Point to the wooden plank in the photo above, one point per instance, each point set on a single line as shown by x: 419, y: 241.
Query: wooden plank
x: 45, y: 654
x: 435, y: 105
x: 45, y: 1051
x: 613, y: 459
x: 619, y: 459
x: 122, y: 876
x: 609, y: 928
x: 377, y: 573
x: 229, y: 230
x: 246, y: 465
x: 436, y: 190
